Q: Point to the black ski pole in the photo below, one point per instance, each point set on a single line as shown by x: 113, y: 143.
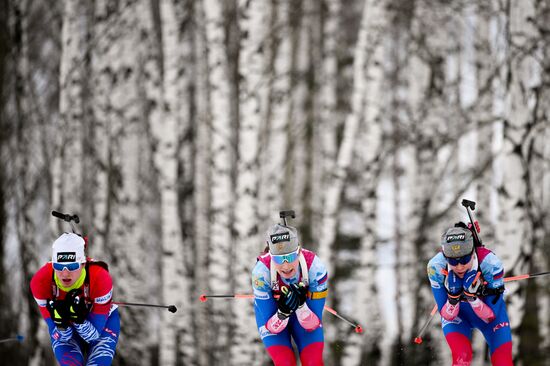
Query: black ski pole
x: 171, y: 308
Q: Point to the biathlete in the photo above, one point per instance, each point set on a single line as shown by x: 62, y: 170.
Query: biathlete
x: 467, y: 283
x: 290, y: 287
x: 74, y: 296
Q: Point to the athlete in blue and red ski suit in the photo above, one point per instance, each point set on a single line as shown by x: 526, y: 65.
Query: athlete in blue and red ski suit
x: 74, y: 294
x: 468, y: 290
x: 302, y: 273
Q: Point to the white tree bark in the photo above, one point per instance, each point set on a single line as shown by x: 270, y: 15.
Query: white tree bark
x: 126, y: 191
x: 484, y: 188
x: 101, y: 83
x: 274, y: 138
x: 325, y: 150
x: 222, y: 186
x: 365, y: 304
x: 296, y: 167
x: 25, y: 200
x: 246, y: 348
x: 485, y: 60
x: 67, y: 173
x: 362, y: 61
x: 202, y: 183
x: 177, y: 339
x: 426, y: 80
x: 514, y: 232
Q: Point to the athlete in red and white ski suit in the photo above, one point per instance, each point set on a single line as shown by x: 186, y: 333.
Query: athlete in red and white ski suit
x: 96, y: 336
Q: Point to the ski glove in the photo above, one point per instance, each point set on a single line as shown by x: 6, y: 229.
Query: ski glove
x: 307, y: 318
x: 287, y: 303
x: 482, y: 310
x: 471, y: 284
x: 454, y: 285
x: 301, y: 292
x: 58, y: 312
x: 77, y: 309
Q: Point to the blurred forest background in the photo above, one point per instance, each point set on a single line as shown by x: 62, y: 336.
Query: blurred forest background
x: 177, y: 129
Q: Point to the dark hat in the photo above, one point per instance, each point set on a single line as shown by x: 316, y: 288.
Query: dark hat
x: 457, y: 242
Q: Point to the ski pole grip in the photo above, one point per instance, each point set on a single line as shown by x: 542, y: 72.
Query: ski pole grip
x: 469, y: 204
x: 66, y: 217
x: 61, y: 216
x: 286, y: 213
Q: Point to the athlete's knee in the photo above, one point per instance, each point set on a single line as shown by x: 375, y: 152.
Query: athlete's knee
x: 312, y: 354
x: 502, y: 356
x: 282, y: 355
x: 461, y: 349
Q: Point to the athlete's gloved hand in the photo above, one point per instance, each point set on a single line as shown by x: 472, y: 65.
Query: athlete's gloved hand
x: 77, y: 309
x: 301, y: 292
x: 482, y: 310
x: 287, y: 303
x: 453, y: 284
x: 58, y: 313
x: 471, y: 284
x: 307, y: 318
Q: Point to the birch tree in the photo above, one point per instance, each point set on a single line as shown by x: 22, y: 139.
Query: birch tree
x: 274, y: 136
x: 486, y: 61
x: 542, y: 183
x: 325, y: 113
x: 167, y: 128
x: 202, y: 182
x: 7, y: 316
x: 364, y: 348
x: 246, y: 348
x: 222, y: 186
x: 27, y: 193
x: 296, y: 170
x: 514, y: 227
x: 485, y: 69
x: 125, y: 191
x: 427, y: 106
x: 403, y: 168
x: 362, y: 61
x: 67, y: 173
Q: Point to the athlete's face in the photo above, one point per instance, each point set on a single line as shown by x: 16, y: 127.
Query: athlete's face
x: 461, y: 269
x: 287, y: 270
x: 68, y: 278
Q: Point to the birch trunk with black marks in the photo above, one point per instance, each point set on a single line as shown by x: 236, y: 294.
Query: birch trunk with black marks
x: 169, y: 127
x: 325, y: 114
x: 274, y: 136
x: 67, y: 173
x: 29, y: 175
x: 295, y: 178
x: 222, y: 188
x: 515, y: 230
x: 361, y: 63
x: 366, y: 348
x: 202, y: 183
x: 426, y: 94
x: 127, y: 191
x: 246, y: 347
